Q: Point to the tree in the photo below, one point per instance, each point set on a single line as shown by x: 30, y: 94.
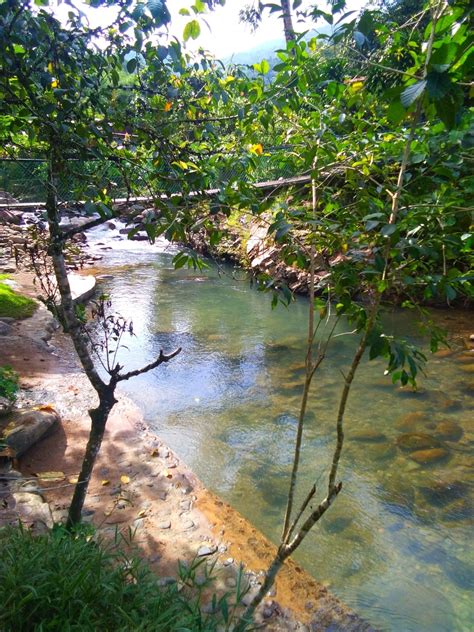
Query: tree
x: 61, y: 94
x: 253, y: 14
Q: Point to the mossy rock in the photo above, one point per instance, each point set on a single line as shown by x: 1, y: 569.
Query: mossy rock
x: 412, y: 441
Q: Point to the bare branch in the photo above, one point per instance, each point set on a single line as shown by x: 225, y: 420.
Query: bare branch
x: 160, y: 360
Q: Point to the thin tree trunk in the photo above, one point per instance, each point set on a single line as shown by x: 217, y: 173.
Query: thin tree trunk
x: 287, y: 21
x: 99, y: 418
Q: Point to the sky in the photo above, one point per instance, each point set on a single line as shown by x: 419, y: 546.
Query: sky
x: 221, y: 31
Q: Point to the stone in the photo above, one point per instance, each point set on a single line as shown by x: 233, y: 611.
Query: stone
x: 429, y: 456
x: 6, y: 406
x: 27, y: 428
x: 5, y: 330
x: 188, y: 524
x: 411, y: 441
x: 203, y: 551
x: 410, y: 420
x: 441, y: 493
x: 166, y: 524
x: 9, y: 217
x: 448, y: 430
x: 369, y: 436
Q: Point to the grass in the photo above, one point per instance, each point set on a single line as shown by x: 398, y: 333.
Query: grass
x: 64, y: 582
x: 13, y: 304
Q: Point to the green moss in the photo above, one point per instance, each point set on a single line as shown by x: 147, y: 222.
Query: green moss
x: 15, y: 305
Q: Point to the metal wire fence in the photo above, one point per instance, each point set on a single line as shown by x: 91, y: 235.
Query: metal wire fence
x: 23, y: 179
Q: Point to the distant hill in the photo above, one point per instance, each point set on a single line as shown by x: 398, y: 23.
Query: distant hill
x: 267, y: 50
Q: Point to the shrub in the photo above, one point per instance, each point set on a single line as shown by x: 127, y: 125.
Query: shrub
x: 63, y: 582
x: 8, y: 383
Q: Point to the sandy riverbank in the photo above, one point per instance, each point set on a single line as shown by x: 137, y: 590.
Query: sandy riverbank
x: 139, y: 483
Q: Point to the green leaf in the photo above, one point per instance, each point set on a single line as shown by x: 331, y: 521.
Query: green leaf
x: 159, y: 12
x: 264, y: 67
x: 191, y: 30
x: 132, y: 65
x: 438, y: 84
x: 388, y: 230
x: 411, y: 94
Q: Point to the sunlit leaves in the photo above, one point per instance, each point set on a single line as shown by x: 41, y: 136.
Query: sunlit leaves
x: 192, y: 30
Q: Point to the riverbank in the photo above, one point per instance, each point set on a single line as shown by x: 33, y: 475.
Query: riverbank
x: 140, y: 484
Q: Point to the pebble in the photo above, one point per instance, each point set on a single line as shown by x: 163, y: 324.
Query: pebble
x: 185, y: 505
x: 188, y: 524
x: 206, y: 550
x: 165, y: 525
x: 229, y: 561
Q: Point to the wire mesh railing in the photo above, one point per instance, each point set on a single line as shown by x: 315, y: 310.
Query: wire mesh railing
x: 24, y: 179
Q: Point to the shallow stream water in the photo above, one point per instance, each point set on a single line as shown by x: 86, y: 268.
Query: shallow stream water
x: 396, y: 545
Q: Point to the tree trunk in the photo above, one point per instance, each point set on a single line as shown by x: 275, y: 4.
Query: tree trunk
x: 287, y: 21
x: 99, y: 418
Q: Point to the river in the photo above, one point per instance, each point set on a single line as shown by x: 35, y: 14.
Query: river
x: 396, y: 544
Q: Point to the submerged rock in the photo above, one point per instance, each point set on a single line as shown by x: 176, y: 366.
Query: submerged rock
x: 448, y: 430
x: 426, y: 457
x: 412, y: 441
x: 462, y: 509
x: 459, y: 572
x: 411, y: 420
x: 441, y: 493
x: 369, y: 436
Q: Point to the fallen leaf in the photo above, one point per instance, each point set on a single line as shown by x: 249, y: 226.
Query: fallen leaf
x: 125, y: 479
x: 51, y: 476
x: 141, y: 513
x: 73, y: 479
x: 155, y: 452
x: 105, y: 482
x: 166, y: 474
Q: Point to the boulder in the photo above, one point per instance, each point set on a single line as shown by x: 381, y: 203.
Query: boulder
x: 82, y: 286
x: 9, y: 217
x: 23, y: 429
x: 411, y: 441
x: 427, y: 457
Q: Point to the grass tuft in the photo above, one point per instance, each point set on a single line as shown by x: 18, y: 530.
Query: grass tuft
x: 15, y: 305
x: 64, y: 582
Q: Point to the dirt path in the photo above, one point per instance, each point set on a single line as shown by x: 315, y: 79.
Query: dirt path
x: 140, y: 484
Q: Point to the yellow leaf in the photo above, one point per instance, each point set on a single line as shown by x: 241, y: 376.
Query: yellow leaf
x: 51, y: 476
x: 50, y: 67
x: 168, y: 106
x: 141, y: 513
x: 105, y: 482
x: 166, y: 474
x: 54, y: 83
x: 125, y: 479
x: 257, y: 149
x: 73, y: 479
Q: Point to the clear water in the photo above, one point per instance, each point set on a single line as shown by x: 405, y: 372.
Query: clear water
x: 396, y: 544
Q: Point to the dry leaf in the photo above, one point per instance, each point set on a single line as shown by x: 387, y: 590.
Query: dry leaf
x: 155, y: 452
x: 166, y: 474
x: 51, y: 476
x: 141, y: 513
x: 105, y: 482
x: 125, y: 479
x: 168, y: 106
x: 73, y: 479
